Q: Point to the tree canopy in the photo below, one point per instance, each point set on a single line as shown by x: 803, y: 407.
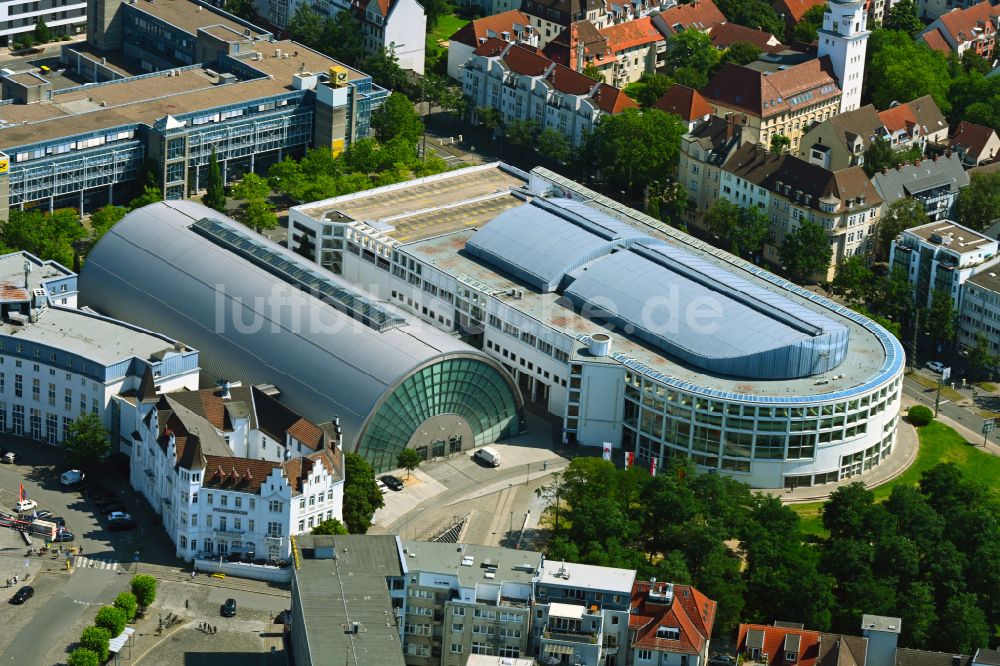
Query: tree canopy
x: 903, y: 18
x: 979, y: 203
x: 691, y: 58
x: 215, y: 189
x: 806, y: 251
x: 635, y: 148
x: 741, y: 53
x: 745, y: 229
x: 650, y: 88
x: 409, y: 460
x: 86, y: 440
x: 144, y: 588
x: 905, y: 70
x: 45, y: 235
x: 756, y: 14
x: 901, y: 215
x: 854, y: 280
x: 397, y: 117
x: 330, y: 527
x: 806, y: 29
x: 881, y: 155
x: 361, y: 496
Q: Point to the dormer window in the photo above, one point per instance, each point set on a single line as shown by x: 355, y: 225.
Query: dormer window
x: 791, y: 657
x: 669, y: 633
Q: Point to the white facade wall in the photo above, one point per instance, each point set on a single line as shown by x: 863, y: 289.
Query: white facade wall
x: 404, y: 34
x: 844, y: 38
x: 18, y: 17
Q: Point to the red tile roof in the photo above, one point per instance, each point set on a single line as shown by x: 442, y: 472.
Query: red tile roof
x: 897, y: 118
x: 960, y: 23
x: 10, y: 292
x: 725, y: 35
x: 565, y: 47
x: 700, y: 15
x: 973, y: 138
x: 794, y: 10
x: 491, y: 26
x: 629, y: 34
x: 774, y: 644
x: 935, y: 40
x: 521, y: 59
x: 232, y: 473
x: 688, y: 611
x: 765, y: 95
x: 684, y: 102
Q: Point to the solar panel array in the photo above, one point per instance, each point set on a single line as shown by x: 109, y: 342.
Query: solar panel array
x: 287, y: 268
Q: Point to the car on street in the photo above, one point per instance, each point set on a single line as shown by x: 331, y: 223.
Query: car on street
x: 722, y: 660
x: 394, y: 482
x: 229, y: 608
x: 43, y: 515
x: 121, y: 525
x: 114, y: 507
x: 22, y: 595
x: 936, y: 366
x: 25, y: 506
x: 381, y: 486
x: 118, y: 515
x: 63, y: 535
x: 8, y: 457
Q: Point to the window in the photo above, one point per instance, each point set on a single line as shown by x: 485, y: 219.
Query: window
x: 250, y: 526
x: 208, y: 498
x: 52, y: 395
x: 645, y: 655
x: 238, y: 502
x: 68, y: 402
x: 790, y: 657
x: 302, y: 503
x: 224, y: 500
x: 274, y: 529
x: 302, y: 525
x: 253, y: 503
x: 274, y: 506
x: 18, y: 386
x: 456, y: 648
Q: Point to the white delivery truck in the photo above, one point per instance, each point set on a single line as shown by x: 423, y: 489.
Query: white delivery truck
x: 489, y: 456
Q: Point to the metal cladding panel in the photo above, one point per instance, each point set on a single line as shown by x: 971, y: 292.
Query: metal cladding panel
x: 154, y: 270
x: 540, y: 241
x: 707, y: 316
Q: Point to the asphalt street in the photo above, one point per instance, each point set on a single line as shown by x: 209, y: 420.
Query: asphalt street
x: 948, y: 408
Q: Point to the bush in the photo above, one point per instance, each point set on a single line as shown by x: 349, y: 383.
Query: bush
x: 112, y: 619
x: 97, y: 640
x: 127, y: 603
x: 144, y: 589
x: 920, y: 415
x: 83, y: 657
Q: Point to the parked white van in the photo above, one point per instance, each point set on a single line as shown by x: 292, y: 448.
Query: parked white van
x: 488, y: 455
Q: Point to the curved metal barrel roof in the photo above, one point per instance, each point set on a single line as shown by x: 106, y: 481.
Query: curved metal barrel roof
x: 260, y: 314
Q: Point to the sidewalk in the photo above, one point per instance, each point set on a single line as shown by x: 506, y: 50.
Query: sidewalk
x: 904, y: 453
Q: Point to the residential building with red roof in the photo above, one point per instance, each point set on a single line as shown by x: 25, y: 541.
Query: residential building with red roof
x: 725, y: 35
x: 395, y: 25
x: 635, y: 47
x: 670, y: 624
x: 792, y: 11
x: 510, y: 26
x: 686, y: 103
x: 975, y: 144
x: 702, y: 15
x: 919, y: 121
x: 785, y: 102
x: 961, y: 30
x: 525, y: 85
x: 930, y: 10
x: 247, y: 472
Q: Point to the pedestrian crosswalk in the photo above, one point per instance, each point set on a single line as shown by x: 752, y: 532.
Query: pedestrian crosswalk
x: 81, y: 562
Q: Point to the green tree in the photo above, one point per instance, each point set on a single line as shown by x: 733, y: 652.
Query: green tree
x: 397, y: 117
x: 780, y: 143
x: 127, y: 603
x: 330, y: 527
x: 755, y: 14
x: 42, y: 33
x: 903, y: 18
x: 963, y: 626
x: 96, y: 639
x: 144, y: 589
x: 250, y: 187
x: 112, y: 619
x: 342, y: 38
x: 592, y: 71
x: 903, y: 214
x: 719, y: 578
x: 979, y: 203
x: 806, y: 29
x: 105, y: 217
x: 881, y: 155
x: 919, y: 415
x: 745, y: 228
x: 905, y: 70
x: 489, y: 118
x: 215, y: 190
x: 409, y: 460
x: 259, y: 215
x: 522, y: 133
x: 306, y: 26
x: 384, y: 69
x: 554, y: 145
x: 86, y: 440
x: 853, y: 280
x: 150, y: 195
x: 919, y: 615
x: 940, y: 321
x: 245, y: 9
x: 806, y: 252
x: 434, y: 10
x: 741, y: 53
x: 45, y: 235
x: 634, y: 148
x: 361, y: 496
x: 651, y: 87
x: 693, y: 50
x: 81, y: 656
x: 982, y: 360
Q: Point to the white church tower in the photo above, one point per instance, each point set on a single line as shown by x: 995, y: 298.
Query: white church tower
x: 844, y: 38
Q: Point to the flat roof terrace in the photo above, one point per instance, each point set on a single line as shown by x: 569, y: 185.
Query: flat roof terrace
x: 190, y: 16
x: 429, y: 206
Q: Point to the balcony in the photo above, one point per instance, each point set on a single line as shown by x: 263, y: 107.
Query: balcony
x: 589, y: 638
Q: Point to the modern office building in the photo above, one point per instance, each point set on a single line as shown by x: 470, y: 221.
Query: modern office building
x: 605, y: 318
x: 18, y: 17
x: 268, y: 316
x: 933, y: 182
x: 941, y: 256
x: 58, y: 362
x: 229, y: 470
x: 182, y: 82
x: 980, y: 312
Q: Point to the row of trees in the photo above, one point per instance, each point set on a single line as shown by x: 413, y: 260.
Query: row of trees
x: 110, y: 621
x: 931, y: 554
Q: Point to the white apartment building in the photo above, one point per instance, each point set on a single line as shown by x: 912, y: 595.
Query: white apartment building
x: 57, y: 362
x: 63, y: 17
x: 942, y: 255
x: 980, y: 311
x: 231, y: 470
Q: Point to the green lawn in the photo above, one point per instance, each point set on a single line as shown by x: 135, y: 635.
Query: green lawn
x: 938, y: 444
x: 446, y: 27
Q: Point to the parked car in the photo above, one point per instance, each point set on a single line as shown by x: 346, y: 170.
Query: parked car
x: 121, y: 525
x: 22, y: 595
x: 63, y: 535
x: 118, y: 515
x: 114, y: 507
x: 71, y: 477
x: 936, y: 366
x: 722, y: 660
x: 394, y: 482
x: 24, y: 506
x: 229, y: 608
x: 9, y: 457
x: 43, y: 514
x: 381, y: 486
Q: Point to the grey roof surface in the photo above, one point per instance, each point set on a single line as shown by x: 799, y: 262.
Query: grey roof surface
x: 756, y: 332
x: 446, y: 558
x: 911, y: 657
x: 154, y: 269
x: 911, y: 179
x: 984, y: 657
x: 880, y: 623
x: 587, y: 576
x: 333, y: 593
x: 540, y: 241
x: 964, y: 239
x: 12, y: 269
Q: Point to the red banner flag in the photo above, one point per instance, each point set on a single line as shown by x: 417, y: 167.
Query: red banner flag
x: 629, y: 459
x: 652, y: 466
x: 21, y: 495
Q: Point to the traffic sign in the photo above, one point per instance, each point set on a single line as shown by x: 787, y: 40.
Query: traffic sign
x: 987, y: 426
x: 946, y: 374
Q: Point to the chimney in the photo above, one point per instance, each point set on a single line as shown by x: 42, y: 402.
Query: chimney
x: 224, y: 389
x: 27, y: 272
